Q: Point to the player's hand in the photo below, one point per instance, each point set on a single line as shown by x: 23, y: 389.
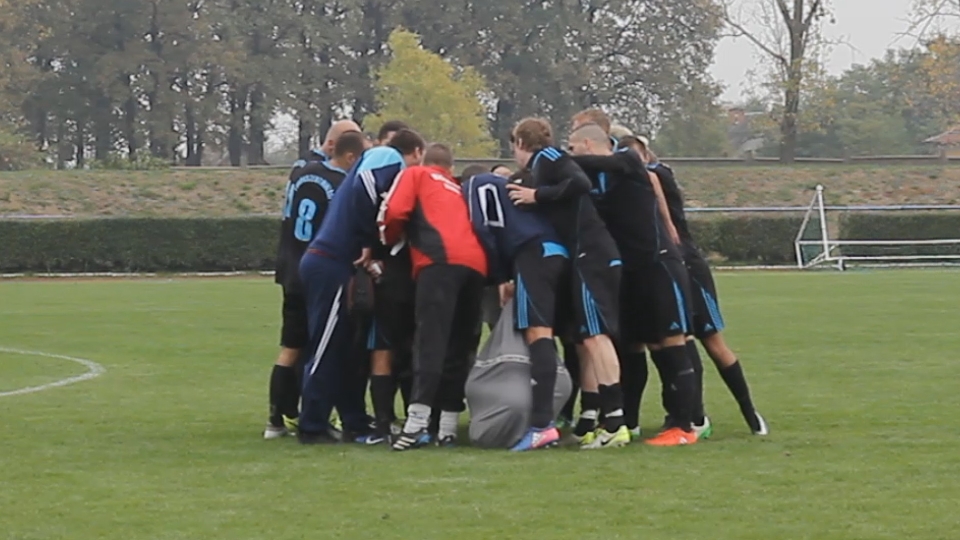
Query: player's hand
x: 521, y: 195
x: 364, y: 260
x: 375, y: 269
x: 506, y: 292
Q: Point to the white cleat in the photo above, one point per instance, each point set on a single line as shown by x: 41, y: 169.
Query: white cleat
x: 704, y: 430
x: 763, y: 428
x: 273, y: 432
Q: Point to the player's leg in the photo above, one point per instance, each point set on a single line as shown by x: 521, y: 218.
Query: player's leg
x: 538, y: 280
x: 325, y: 282
x: 631, y: 351
x: 284, y: 380
x: 671, y: 311
x: 708, y: 326
x: 600, y: 292
x: 437, y: 289
x: 461, y: 350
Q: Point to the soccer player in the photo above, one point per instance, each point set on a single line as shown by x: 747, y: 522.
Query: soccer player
x: 561, y: 191
x: 450, y: 267
x: 521, y: 245
x: 388, y: 130
x: 326, y: 150
x: 707, y: 321
x: 343, y: 243
x: 308, y: 194
x: 654, y: 287
x: 390, y: 334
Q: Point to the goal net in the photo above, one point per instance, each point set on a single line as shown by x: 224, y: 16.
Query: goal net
x: 909, y: 235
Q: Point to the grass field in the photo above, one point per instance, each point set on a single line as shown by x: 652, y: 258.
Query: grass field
x: 857, y: 374
x: 210, y: 193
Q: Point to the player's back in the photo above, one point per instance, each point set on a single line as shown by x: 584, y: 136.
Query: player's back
x: 440, y: 230
x: 626, y: 201
x: 351, y: 219
x: 309, y: 191
x: 490, y: 207
x: 571, y: 211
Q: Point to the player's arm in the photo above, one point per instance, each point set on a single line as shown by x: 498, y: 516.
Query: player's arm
x: 571, y: 182
x: 397, y: 206
x: 664, y: 208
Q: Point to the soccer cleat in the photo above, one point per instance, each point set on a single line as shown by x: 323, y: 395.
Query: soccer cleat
x: 292, y: 424
x: 448, y: 441
x: 408, y: 441
x: 272, y: 432
x: 704, y: 430
x: 760, y: 426
x: 673, y: 437
x: 605, y: 439
x: 635, y: 433
x: 535, y: 439
x: 372, y: 439
x: 586, y: 439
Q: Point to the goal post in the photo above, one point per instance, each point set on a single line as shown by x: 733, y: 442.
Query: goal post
x: 815, y: 247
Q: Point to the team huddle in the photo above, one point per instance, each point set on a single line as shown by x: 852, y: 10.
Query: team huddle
x: 390, y: 265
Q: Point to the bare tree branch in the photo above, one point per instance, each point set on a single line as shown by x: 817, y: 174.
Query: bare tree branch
x: 817, y: 4
x: 743, y: 32
x: 785, y: 11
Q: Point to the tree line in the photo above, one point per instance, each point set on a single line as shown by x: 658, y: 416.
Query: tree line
x: 91, y: 82
x: 172, y: 79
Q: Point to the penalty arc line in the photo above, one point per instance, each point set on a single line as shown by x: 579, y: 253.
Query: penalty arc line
x: 94, y: 370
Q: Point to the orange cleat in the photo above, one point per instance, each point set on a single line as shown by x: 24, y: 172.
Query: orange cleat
x: 673, y: 437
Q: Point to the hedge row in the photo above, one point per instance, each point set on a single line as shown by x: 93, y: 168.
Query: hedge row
x: 138, y: 245
x: 242, y: 244
x: 902, y: 226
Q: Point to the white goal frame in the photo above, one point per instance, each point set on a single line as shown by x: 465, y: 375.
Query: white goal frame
x: 832, y: 249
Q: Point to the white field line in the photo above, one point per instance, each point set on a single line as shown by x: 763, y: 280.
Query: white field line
x: 93, y: 370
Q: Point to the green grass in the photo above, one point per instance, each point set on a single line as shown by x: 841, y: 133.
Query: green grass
x: 857, y: 374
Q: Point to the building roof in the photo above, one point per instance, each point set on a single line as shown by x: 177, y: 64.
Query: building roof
x: 951, y: 137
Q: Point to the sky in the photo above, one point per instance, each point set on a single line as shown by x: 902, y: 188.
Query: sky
x: 868, y: 27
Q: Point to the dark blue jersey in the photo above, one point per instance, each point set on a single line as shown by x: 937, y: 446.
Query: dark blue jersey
x: 308, y: 195
x: 563, y: 196
x: 628, y: 205
x: 351, y: 221
x: 504, y: 229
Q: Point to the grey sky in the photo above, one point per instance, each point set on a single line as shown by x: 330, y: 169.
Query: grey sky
x: 869, y: 26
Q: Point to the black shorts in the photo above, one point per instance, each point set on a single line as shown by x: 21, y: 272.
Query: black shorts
x: 393, y: 307
x: 655, y: 302
x: 295, y: 332
x: 539, y: 275
x: 707, y: 319
x: 593, y: 299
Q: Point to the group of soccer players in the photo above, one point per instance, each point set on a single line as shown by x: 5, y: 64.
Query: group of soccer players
x: 386, y: 256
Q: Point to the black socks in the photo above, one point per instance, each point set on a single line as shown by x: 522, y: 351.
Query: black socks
x: 284, y: 394
x: 633, y: 379
x: 694, y: 355
x: 737, y: 383
x: 543, y: 362
x: 382, y: 392
x: 611, y: 403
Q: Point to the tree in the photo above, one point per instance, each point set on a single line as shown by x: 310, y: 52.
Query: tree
x: 789, y: 35
x: 696, y: 126
x: 934, y: 17
x: 443, y: 101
